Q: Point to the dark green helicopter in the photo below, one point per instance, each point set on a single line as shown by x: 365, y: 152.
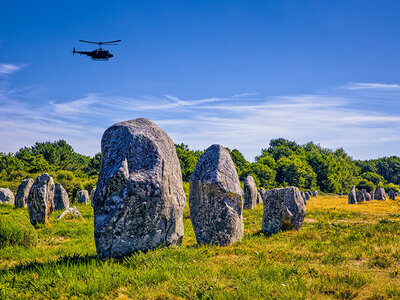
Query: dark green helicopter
x: 98, y: 54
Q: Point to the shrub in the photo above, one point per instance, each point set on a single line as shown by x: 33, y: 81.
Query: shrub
x: 17, y: 231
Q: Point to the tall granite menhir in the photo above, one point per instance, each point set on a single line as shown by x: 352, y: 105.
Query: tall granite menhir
x: 23, y: 192
x: 41, y: 199
x: 216, y: 199
x: 139, y: 199
x: 250, y: 193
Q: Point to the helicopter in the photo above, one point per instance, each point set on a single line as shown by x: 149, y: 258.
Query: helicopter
x: 98, y: 54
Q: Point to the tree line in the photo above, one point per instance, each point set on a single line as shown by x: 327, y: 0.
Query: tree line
x: 282, y: 163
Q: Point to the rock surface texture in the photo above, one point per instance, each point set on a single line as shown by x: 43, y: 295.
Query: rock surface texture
x: 216, y: 199
x: 315, y: 193
x: 83, y: 196
x: 23, y: 192
x: 372, y: 193
x: 352, y: 196
x: 283, y: 210
x: 250, y: 193
x: 391, y: 195
x: 61, y: 199
x: 6, y: 196
x: 380, y: 194
x: 139, y: 199
x: 41, y: 199
x: 307, y: 196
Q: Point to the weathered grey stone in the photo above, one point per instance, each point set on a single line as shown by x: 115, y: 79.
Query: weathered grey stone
x: 83, y: 196
x: 216, y: 199
x: 367, y: 197
x: 41, y: 199
x: 250, y: 193
x: 360, y: 196
x: 352, y: 196
x: 315, y: 193
x: 391, y: 195
x: 372, y: 193
x: 396, y: 194
x: 139, y: 199
x: 380, y: 194
x: 259, y: 198
x: 303, y: 196
x: 70, y: 211
x: 6, y: 196
x: 307, y: 196
x: 61, y: 198
x: 23, y: 193
x: 283, y: 210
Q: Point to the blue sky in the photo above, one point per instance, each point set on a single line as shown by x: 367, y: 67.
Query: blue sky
x: 237, y: 73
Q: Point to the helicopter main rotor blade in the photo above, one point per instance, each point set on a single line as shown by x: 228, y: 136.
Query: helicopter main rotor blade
x: 90, y: 42
x: 112, y: 42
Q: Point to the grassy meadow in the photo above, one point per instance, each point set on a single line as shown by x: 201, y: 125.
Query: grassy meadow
x: 341, y: 252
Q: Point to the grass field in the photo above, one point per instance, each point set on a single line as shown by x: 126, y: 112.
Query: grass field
x: 341, y: 252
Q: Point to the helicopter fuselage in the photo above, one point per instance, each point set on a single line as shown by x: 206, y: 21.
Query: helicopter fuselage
x: 98, y: 54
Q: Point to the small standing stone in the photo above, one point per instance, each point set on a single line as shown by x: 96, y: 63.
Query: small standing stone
x: 83, y: 196
x: 307, y: 196
x: 23, y: 193
x: 360, y: 196
x: 250, y: 193
x: 352, y: 196
x: 6, y: 196
x: 41, y: 199
x: 372, y: 193
x: 216, y: 199
x: 283, y: 210
x: 315, y: 193
x: 61, y: 198
x: 380, y: 194
x: 70, y: 211
x: 391, y: 195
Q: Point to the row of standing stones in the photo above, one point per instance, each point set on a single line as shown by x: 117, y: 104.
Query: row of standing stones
x: 139, y: 199
x: 42, y: 197
x: 356, y: 197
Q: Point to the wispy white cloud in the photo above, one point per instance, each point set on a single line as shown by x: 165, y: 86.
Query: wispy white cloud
x: 6, y: 69
x: 245, y: 121
x: 370, y: 86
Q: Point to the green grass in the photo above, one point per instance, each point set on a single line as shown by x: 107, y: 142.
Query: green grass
x: 341, y: 252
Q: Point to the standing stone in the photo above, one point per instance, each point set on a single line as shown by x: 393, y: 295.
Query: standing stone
x: 216, y: 199
x: 41, y: 199
x: 283, y: 210
x: 391, y: 195
x: 372, y: 193
x: 259, y: 198
x: 360, y: 196
x: 367, y: 197
x: 307, y: 196
x: 352, y: 196
x: 6, y: 196
x: 139, y: 199
x: 61, y: 199
x: 396, y: 194
x: 23, y: 193
x: 250, y: 193
x: 315, y: 193
x: 303, y: 195
x: 83, y: 196
x: 380, y: 194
